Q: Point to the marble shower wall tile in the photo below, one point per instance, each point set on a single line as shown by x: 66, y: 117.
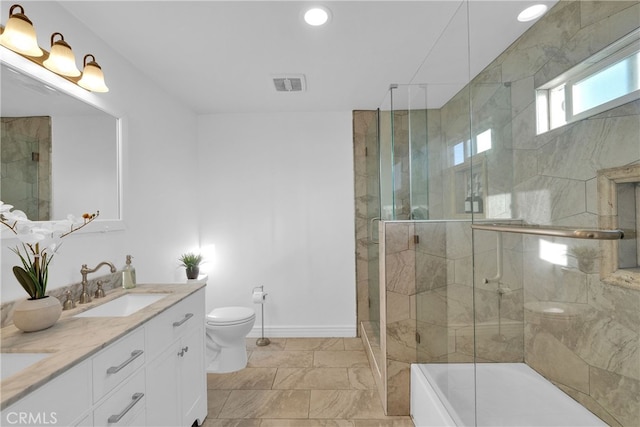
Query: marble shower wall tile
x: 398, y: 386
x: 619, y: 394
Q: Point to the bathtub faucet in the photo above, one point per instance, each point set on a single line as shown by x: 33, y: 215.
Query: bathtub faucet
x: 84, y: 296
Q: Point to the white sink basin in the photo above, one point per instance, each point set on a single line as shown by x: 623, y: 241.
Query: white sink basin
x: 11, y: 363
x: 122, y: 306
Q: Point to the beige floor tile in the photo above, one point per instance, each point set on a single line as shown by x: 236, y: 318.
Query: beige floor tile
x: 299, y: 382
x: 389, y: 422
x: 345, y: 404
x: 315, y: 344
x: 248, y: 378
x: 216, y: 422
x: 277, y: 344
x: 307, y: 423
x: 281, y: 359
x: 361, y: 378
x: 215, y: 401
x: 340, y: 359
x: 266, y: 404
x: 353, y: 344
x: 312, y: 379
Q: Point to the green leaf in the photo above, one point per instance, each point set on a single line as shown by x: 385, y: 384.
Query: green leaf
x: 25, y: 280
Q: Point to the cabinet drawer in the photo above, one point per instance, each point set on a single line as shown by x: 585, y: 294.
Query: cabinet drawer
x: 115, y: 363
x: 123, y: 406
x: 174, y: 322
x: 62, y: 401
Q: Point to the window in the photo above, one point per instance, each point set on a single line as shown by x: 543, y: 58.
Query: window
x: 606, y: 80
x: 460, y: 152
x: 463, y: 150
x: 483, y: 141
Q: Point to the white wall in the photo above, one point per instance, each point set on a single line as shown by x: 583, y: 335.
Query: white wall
x: 277, y: 204
x: 159, y: 170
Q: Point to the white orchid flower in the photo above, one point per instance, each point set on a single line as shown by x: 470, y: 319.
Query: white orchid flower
x: 42, y: 228
x: 40, y: 241
x: 16, y: 215
x: 31, y: 238
x: 74, y: 220
x: 5, y: 207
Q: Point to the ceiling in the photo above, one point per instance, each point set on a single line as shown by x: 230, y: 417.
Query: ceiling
x: 220, y: 56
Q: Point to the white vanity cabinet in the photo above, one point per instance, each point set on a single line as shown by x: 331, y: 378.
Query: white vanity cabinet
x: 176, y: 377
x: 63, y: 401
x: 154, y: 375
x: 126, y: 406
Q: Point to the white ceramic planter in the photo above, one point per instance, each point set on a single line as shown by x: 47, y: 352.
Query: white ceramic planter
x: 32, y: 315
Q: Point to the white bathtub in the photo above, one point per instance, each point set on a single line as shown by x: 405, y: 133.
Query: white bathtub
x: 508, y: 394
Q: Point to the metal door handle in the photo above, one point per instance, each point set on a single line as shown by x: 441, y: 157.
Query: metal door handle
x: 134, y: 399
x: 186, y: 317
x: 134, y: 356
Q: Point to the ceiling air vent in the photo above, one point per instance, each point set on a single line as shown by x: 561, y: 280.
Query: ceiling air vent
x: 289, y: 83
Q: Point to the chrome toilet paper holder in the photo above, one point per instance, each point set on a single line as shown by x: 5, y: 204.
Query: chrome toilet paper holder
x: 262, y: 341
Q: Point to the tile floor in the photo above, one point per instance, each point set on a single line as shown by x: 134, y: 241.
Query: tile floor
x: 300, y: 382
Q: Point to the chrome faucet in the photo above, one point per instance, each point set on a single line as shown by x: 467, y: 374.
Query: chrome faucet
x: 84, y: 296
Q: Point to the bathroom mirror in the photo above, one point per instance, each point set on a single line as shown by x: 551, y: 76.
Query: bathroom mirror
x: 59, y: 154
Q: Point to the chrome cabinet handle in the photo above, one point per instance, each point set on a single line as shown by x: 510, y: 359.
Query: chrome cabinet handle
x: 186, y: 317
x: 183, y: 351
x: 116, y: 369
x: 134, y: 399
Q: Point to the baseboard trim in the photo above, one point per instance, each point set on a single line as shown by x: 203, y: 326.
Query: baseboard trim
x: 304, y: 332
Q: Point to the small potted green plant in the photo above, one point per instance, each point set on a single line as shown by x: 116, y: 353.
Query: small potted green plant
x: 586, y: 257
x: 191, y: 262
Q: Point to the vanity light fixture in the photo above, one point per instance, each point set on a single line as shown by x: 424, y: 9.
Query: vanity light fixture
x: 317, y: 16
x: 532, y: 12
x: 20, y: 37
x: 19, y: 34
x: 92, y: 76
x: 61, y: 59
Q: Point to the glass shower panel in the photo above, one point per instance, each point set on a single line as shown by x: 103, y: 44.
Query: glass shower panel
x: 372, y: 146
x: 444, y: 298
x: 418, y: 152
x: 386, y: 156
x: 498, y: 292
x: 410, y: 157
x: 440, y: 128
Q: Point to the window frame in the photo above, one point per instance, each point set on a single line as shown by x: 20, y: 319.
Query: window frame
x: 610, y: 55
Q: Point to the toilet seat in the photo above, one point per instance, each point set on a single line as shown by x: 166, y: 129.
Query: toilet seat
x: 229, y: 316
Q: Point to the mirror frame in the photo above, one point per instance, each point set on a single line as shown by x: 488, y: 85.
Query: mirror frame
x: 41, y: 74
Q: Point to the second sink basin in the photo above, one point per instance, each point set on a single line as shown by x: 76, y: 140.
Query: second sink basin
x: 122, y: 306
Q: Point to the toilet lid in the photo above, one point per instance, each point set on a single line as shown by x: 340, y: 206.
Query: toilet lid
x: 230, y: 315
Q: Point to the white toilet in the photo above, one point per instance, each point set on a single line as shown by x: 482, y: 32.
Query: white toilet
x: 227, y: 328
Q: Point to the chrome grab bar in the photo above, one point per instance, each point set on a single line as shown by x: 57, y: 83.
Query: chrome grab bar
x: 552, y: 231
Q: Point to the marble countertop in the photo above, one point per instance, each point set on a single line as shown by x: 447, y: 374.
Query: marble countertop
x: 74, y: 339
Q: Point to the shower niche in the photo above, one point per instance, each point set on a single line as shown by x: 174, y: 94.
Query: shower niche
x: 619, y: 207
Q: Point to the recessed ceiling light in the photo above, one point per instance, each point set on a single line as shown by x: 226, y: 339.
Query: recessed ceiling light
x: 317, y: 16
x: 532, y: 12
